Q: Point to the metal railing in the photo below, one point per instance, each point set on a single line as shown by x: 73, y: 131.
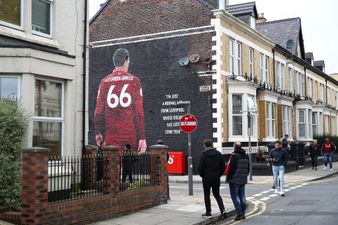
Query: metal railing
x: 138, y: 171
x: 72, y: 177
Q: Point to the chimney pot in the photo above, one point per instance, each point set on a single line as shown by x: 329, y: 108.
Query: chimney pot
x: 261, y: 18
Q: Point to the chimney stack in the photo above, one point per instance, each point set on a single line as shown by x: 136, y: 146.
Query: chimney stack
x: 261, y: 18
x: 222, y: 4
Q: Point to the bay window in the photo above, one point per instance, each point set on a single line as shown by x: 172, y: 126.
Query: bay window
x: 48, y: 115
x: 301, y: 123
x: 41, y: 17
x: 286, y: 120
x: 315, y: 123
x: 9, y: 87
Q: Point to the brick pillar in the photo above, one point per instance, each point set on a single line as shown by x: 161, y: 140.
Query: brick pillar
x: 112, y: 169
x: 89, y: 167
x: 160, y: 172
x: 34, y: 184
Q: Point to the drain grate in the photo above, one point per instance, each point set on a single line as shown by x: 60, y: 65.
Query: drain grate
x: 304, y: 202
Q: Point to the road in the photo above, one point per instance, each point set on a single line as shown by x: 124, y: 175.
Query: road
x: 310, y: 203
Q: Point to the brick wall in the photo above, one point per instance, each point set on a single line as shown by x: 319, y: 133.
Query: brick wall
x: 136, y: 17
x: 36, y: 209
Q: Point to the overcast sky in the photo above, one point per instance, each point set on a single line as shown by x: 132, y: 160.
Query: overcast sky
x: 319, y: 23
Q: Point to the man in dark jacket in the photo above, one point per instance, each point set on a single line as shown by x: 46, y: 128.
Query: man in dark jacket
x: 237, y: 179
x: 128, y: 159
x: 211, y: 168
x: 314, y: 152
x: 279, y: 158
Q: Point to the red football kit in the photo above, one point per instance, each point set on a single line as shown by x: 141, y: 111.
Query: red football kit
x: 119, y: 114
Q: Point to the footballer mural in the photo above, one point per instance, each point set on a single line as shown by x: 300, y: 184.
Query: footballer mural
x: 119, y: 113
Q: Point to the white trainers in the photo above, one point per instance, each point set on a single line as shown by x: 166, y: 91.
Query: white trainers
x: 276, y: 191
x: 324, y: 167
x: 331, y: 169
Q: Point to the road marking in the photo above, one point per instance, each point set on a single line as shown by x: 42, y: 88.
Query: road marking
x: 257, y: 195
x: 250, y: 198
x: 264, y: 199
x: 273, y: 195
x: 264, y: 192
x: 286, y: 190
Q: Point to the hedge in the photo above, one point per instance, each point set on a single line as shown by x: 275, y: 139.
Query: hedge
x: 13, y: 126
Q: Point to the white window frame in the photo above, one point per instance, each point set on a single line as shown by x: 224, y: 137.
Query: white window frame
x: 304, y: 112
x: 264, y: 68
x: 60, y: 119
x: 280, y: 70
x: 315, y: 123
x: 235, y: 57
x: 289, y: 79
x: 320, y: 123
x: 322, y: 92
x: 51, y: 2
x: 328, y: 93
x: 271, y: 120
x: 19, y: 83
x: 309, y: 87
x: 10, y: 25
x: 309, y: 123
x: 286, y: 120
x: 252, y: 62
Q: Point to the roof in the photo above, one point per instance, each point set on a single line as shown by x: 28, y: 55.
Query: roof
x: 281, y: 31
x: 319, y: 63
x: 309, y: 55
x: 248, y: 8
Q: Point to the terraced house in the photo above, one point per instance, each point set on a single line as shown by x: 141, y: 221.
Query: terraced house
x: 243, y: 76
x: 43, y: 66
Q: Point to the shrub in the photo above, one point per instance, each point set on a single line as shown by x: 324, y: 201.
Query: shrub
x: 13, y: 125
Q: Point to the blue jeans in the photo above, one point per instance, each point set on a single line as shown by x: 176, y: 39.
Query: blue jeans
x: 237, y: 192
x: 278, y: 171
x: 328, y: 158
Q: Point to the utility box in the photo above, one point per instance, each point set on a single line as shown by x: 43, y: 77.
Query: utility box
x: 176, y: 163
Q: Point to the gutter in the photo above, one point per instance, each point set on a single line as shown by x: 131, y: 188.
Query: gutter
x: 84, y: 76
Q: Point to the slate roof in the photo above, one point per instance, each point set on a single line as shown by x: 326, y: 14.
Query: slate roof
x: 9, y: 42
x: 248, y: 8
x: 280, y: 31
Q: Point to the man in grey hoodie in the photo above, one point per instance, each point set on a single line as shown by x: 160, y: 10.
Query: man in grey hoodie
x: 211, y: 167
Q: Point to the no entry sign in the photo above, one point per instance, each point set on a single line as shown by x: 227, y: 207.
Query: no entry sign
x: 188, y: 123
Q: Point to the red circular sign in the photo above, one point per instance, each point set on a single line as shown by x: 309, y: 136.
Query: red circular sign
x: 188, y: 123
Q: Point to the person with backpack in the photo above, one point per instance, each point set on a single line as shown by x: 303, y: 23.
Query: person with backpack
x: 211, y: 167
x: 237, y: 173
x: 328, y: 149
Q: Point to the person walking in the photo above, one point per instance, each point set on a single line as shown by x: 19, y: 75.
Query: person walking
x: 211, y: 167
x: 314, y: 152
x: 279, y: 158
x: 127, y: 164
x: 237, y: 179
x: 285, y: 142
x: 328, y: 149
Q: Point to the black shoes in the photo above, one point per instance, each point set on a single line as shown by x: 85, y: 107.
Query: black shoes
x: 206, y: 214
x: 239, y: 217
x: 223, y: 215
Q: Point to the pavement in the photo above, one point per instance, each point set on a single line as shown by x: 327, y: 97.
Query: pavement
x: 184, y: 209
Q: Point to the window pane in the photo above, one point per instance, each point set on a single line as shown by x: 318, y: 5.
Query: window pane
x: 41, y: 16
x: 9, y: 87
x: 48, y: 135
x: 10, y: 11
x: 301, y: 130
x: 237, y: 125
x: 273, y: 106
x: 237, y: 104
x: 48, y: 98
x: 314, y: 118
x: 301, y: 116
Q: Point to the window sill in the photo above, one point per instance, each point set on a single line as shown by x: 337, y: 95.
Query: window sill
x: 34, y: 38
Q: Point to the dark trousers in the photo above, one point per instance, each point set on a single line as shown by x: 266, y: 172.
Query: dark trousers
x: 126, y: 173
x: 314, y: 161
x: 237, y: 192
x: 214, y: 185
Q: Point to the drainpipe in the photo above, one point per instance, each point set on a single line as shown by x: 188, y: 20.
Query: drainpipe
x: 305, y: 82
x: 84, y: 76
x: 274, y: 67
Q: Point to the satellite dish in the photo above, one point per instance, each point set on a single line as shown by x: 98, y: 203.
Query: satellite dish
x: 184, y: 61
x: 290, y: 44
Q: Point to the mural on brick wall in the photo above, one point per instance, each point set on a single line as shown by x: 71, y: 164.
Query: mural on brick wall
x: 139, y: 92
